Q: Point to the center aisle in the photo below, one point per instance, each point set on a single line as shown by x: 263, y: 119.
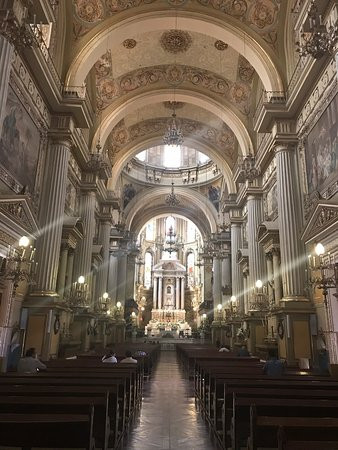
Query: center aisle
x: 168, y: 418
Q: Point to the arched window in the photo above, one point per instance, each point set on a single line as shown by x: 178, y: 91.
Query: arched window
x: 150, y: 231
x: 168, y: 289
x: 191, y: 269
x: 170, y: 222
x: 148, y: 263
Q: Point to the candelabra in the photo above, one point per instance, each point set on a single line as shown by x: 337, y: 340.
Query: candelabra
x: 173, y: 136
x: 78, y: 296
x: 171, y: 241
x: 172, y: 200
x: 19, y: 265
x: 102, y: 306
x: 323, y: 271
x: 320, y: 39
x: 118, y: 311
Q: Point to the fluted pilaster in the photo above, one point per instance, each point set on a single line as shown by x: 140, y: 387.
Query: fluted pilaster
x: 182, y: 292
x: 6, y: 53
x: 102, y: 274
x: 289, y: 216
x: 236, y: 274
x: 155, y: 293
x: 121, y: 278
x: 51, y: 217
x: 217, y: 287
x: 160, y: 292
x: 83, y: 255
x: 112, y: 277
x: 257, y: 262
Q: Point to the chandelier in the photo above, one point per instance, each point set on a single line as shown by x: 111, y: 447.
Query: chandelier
x: 173, y: 136
x: 172, y: 199
x: 19, y: 265
x: 171, y: 241
x: 319, y: 39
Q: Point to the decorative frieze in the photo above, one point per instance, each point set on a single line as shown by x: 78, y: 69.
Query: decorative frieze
x: 29, y: 93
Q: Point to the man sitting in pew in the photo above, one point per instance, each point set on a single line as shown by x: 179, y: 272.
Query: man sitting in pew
x: 30, y: 363
x: 274, y: 367
x: 109, y: 357
x: 224, y: 348
x: 129, y: 358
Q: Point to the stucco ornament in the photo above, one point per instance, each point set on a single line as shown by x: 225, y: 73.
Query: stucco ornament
x: 89, y: 10
x: 176, y: 41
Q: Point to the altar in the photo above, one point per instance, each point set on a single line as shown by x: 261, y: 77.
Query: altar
x: 168, y: 312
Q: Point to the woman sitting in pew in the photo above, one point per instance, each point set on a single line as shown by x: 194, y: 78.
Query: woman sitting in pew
x: 274, y: 367
x: 30, y: 363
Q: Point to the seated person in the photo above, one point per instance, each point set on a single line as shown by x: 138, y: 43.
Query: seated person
x: 274, y: 367
x: 30, y: 363
x: 129, y: 358
x: 109, y: 357
x: 224, y: 348
x: 243, y: 351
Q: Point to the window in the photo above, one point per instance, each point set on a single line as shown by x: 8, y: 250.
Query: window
x: 191, y: 232
x: 172, y: 156
x: 168, y: 255
x: 148, y: 263
x: 202, y: 158
x: 170, y: 222
x: 142, y: 156
x: 150, y: 231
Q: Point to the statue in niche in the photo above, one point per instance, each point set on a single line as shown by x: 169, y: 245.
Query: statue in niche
x: 128, y: 194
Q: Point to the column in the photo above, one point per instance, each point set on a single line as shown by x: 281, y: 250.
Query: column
x: 269, y: 266
x: 6, y: 327
x: 102, y: 274
x: 61, y: 281
x: 277, y: 282
x: 6, y: 53
x: 289, y: 216
x: 160, y: 292
x: 216, y: 287
x: 121, y: 278
x: 245, y: 294
x: 112, y: 277
x: 226, y: 271
x: 255, y: 250
x: 182, y: 293
x: 177, y: 293
x: 130, y: 280
x: 236, y: 274
x: 51, y: 220
x: 207, y: 279
x: 155, y: 293
x: 83, y: 254
x: 69, y: 271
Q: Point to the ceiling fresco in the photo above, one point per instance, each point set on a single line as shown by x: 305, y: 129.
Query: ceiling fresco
x: 260, y: 15
x: 221, y: 138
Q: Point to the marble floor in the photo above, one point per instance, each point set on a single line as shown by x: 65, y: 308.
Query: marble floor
x: 168, y: 418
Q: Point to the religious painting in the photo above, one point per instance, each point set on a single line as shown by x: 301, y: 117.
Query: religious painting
x: 271, y: 206
x: 19, y: 143
x: 70, y: 202
x: 322, y: 150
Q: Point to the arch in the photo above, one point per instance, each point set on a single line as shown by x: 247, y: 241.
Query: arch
x: 202, y: 213
x: 117, y: 112
x: 130, y: 152
x: 112, y: 31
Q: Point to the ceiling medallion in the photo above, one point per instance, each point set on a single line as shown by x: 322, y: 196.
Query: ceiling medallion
x: 173, y: 136
x: 171, y: 199
x: 220, y: 45
x: 129, y: 43
x: 173, y: 105
x: 175, y: 41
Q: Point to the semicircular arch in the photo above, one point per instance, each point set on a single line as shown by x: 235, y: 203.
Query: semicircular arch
x: 142, y: 100
x: 137, y: 147
x: 199, y: 206
x: 106, y: 34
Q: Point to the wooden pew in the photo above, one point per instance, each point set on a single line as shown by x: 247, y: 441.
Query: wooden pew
x: 286, y: 442
x: 22, y: 404
x: 77, y: 393
x: 264, y: 429
x: 47, y: 430
x: 285, y: 407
